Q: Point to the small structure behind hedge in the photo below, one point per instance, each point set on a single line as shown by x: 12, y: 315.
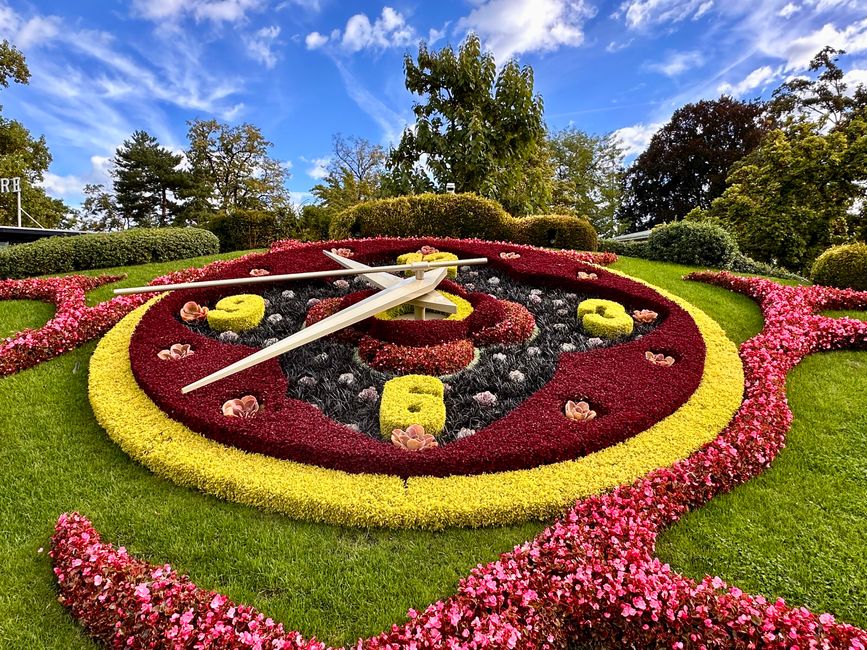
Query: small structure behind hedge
x: 460, y: 215
x: 103, y: 250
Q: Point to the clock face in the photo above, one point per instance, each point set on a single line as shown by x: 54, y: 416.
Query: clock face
x: 547, y: 361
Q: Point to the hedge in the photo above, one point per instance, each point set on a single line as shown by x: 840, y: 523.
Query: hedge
x: 843, y: 266
x: 460, y: 215
x: 697, y: 244
x: 103, y: 250
x: 246, y: 229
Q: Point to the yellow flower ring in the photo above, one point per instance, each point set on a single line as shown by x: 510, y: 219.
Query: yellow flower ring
x: 172, y: 450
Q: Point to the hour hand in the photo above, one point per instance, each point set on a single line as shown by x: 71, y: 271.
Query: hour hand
x: 432, y: 300
x: 404, y: 291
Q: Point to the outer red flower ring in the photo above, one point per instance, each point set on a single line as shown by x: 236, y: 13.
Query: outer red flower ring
x: 631, y: 395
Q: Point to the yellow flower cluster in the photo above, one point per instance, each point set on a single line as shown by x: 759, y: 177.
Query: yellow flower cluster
x: 301, y: 491
x: 237, y: 313
x: 409, y: 258
x: 412, y: 399
x: 604, y: 318
x: 464, y: 309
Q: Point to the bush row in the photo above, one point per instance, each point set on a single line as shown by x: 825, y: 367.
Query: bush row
x: 695, y: 243
x: 103, y: 250
x: 460, y: 215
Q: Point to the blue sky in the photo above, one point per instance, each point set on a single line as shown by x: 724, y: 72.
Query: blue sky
x: 304, y: 69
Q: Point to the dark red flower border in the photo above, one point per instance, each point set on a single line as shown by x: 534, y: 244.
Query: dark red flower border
x: 591, y: 576
x: 631, y: 393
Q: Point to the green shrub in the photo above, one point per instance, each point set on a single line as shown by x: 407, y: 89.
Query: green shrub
x: 245, y: 229
x: 842, y: 266
x: 103, y: 250
x: 696, y: 243
x: 554, y: 231
x: 460, y: 215
x: 627, y: 248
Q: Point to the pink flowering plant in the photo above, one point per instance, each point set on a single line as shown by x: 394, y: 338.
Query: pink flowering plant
x: 590, y: 576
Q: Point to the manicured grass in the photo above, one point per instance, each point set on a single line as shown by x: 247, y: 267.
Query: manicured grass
x: 341, y: 583
x: 17, y: 315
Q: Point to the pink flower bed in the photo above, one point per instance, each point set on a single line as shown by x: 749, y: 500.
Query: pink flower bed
x: 591, y: 575
x: 74, y: 323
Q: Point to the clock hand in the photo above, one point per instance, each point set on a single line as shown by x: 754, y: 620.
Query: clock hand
x: 402, y: 292
x: 433, y: 300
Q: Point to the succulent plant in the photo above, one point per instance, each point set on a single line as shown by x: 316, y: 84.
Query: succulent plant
x: 193, y: 311
x: 645, y: 316
x: 579, y: 411
x: 175, y: 352
x: 413, y: 438
x: 244, y: 407
x: 256, y: 273
x: 658, y: 359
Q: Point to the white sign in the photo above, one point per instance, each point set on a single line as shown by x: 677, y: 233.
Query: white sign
x: 10, y: 185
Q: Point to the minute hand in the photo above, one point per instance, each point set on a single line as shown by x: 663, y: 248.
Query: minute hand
x: 402, y: 292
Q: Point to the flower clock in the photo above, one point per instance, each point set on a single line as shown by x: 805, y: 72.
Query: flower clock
x: 550, y: 385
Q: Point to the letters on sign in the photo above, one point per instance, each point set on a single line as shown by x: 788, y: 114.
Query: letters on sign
x: 10, y: 185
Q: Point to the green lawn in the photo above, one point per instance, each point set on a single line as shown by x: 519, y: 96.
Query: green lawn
x: 340, y: 583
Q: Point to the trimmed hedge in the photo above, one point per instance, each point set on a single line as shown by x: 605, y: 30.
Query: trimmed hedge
x: 460, y: 215
x: 103, y: 250
x: 695, y: 243
x: 246, y: 229
x: 627, y: 248
x: 843, y: 266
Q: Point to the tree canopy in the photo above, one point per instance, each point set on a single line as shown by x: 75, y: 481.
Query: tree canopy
x: 147, y: 181
x: 587, y: 177
x: 688, y: 159
x: 476, y: 127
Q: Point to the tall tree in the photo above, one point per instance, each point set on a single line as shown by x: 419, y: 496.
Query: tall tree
x: 797, y: 193
x: 147, y: 180
x: 355, y: 174
x: 23, y: 156
x: 688, y: 159
x: 12, y: 65
x: 588, y: 172
x: 826, y: 100
x: 231, y: 168
x: 99, y: 210
x: 476, y: 127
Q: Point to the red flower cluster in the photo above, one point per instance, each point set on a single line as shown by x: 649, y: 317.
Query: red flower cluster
x: 628, y: 393
x: 591, y: 576
x: 74, y: 323
x: 443, y: 359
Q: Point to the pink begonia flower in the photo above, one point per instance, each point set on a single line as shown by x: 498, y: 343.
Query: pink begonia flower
x: 510, y: 255
x: 645, y: 316
x: 258, y: 273
x: 175, y: 352
x: 193, y: 311
x: 245, y: 407
x: 427, y: 250
x: 658, y: 359
x: 587, y: 276
x: 579, y: 411
x: 343, y: 252
x: 413, y: 439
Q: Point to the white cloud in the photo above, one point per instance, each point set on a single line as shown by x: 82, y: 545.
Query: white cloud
x: 676, y: 63
x: 614, y: 46
x: 309, y: 5
x: 216, y: 11
x: 318, y: 167
x: 789, y: 10
x: 512, y: 27
x: 389, y: 121
x: 799, y: 51
x: 71, y: 185
x: 755, y: 79
x: 260, y: 45
x: 634, y: 139
x: 315, y: 40
x: 390, y: 29
x: 640, y: 14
